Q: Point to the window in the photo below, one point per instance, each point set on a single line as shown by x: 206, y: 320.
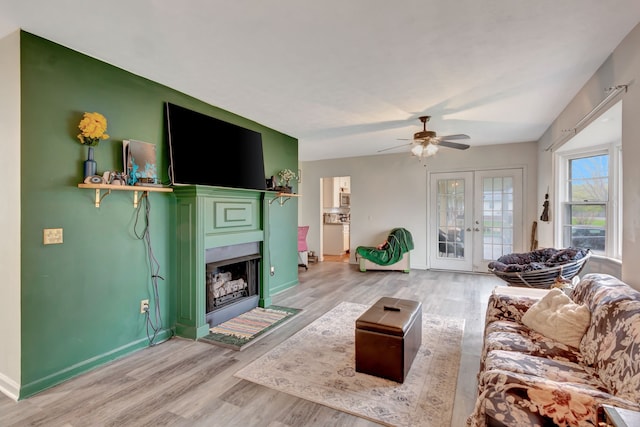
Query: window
x: 589, y: 213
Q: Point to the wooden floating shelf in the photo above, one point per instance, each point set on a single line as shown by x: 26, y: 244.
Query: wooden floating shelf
x: 135, y: 188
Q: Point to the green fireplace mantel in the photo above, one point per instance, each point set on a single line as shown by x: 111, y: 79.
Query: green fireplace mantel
x: 209, y: 217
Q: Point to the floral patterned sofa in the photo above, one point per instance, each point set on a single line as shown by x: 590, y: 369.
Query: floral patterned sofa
x: 528, y: 379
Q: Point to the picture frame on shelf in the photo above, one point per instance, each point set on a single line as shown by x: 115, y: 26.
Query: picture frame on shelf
x: 271, y: 183
x: 139, y: 160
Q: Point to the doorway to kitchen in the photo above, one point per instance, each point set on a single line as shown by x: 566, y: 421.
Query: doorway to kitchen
x: 474, y: 217
x: 336, y: 218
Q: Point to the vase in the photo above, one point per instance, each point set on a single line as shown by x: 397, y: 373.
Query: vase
x: 90, y: 165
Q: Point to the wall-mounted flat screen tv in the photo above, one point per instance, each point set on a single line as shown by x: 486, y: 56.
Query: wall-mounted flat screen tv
x: 207, y: 151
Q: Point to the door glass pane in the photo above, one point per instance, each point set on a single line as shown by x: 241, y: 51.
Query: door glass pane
x: 508, y: 185
x: 497, y: 217
x: 451, y: 218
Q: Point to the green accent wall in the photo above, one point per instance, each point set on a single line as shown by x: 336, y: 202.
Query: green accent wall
x: 81, y: 299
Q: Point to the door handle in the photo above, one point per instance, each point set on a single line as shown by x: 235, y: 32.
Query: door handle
x: 468, y: 229
x: 476, y: 229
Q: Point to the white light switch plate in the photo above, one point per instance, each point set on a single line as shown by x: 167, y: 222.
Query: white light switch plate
x: 52, y: 236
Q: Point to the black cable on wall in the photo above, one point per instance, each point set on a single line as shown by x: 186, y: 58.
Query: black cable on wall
x: 154, y: 324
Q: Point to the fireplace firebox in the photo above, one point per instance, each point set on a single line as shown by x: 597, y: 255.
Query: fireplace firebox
x: 232, y: 281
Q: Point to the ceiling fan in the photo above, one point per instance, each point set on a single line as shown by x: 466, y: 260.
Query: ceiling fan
x: 425, y: 143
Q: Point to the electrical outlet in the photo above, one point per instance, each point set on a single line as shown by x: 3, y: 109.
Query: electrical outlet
x: 52, y: 236
x: 144, y: 306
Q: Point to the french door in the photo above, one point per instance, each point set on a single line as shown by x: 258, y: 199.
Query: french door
x: 474, y: 218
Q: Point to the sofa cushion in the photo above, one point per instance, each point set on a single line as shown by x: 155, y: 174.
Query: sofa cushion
x: 613, y: 336
x: 559, y: 318
x: 550, y: 369
x: 507, y: 307
x: 519, y: 399
x: 505, y: 335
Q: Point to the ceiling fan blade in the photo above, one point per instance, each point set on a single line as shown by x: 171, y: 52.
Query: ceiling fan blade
x: 393, y: 148
x: 455, y: 145
x: 456, y: 136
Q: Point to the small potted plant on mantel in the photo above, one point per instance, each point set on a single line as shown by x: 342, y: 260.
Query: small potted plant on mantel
x: 286, y: 175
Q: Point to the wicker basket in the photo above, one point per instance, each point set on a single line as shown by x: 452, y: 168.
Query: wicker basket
x: 545, y: 277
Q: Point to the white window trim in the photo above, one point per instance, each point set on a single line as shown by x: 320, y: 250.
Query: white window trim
x: 613, y: 246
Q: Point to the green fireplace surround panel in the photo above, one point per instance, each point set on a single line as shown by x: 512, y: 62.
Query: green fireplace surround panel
x: 80, y: 300
x: 212, y: 217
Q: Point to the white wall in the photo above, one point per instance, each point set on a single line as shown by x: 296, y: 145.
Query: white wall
x: 389, y: 191
x: 10, y: 214
x: 622, y: 67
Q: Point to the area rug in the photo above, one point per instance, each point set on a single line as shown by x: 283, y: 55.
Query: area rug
x: 246, y: 329
x: 318, y: 364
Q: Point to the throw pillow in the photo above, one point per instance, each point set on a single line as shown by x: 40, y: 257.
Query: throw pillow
x: 557, y: 317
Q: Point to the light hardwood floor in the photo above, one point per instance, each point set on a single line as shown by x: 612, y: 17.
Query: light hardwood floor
x: 185, y: 383
x: 336, y: 258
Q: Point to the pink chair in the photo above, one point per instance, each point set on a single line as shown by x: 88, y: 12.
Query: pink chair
x: 303, y: 249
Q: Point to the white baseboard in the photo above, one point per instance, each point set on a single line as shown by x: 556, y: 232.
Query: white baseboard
x: 9, y: 387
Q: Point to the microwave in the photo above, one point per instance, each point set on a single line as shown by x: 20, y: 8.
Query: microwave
x: 345, y: 200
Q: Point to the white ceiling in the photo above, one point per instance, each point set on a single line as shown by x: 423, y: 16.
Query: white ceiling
x: 348, y: 78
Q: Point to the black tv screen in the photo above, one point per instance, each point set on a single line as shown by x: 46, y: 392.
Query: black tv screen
x: 207, y: 151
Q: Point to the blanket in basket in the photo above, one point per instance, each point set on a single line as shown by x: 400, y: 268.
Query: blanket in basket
x: 537, y: 260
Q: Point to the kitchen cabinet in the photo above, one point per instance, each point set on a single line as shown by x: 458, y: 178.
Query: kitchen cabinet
x: 331, y: 189
x: 335, y: 239
x: 330, y: 193
x: 344, y: 184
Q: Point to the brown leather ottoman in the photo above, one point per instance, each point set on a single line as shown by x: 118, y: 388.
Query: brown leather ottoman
x: 388, y: 336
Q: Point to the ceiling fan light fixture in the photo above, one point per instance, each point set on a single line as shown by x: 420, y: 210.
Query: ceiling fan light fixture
x: 429, y: 150
x: 424, y: 150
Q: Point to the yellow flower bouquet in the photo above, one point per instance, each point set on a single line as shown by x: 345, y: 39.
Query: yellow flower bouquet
x: 93, y: 128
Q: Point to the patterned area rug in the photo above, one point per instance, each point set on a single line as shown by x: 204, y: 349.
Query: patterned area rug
x: 318, y: 364
x: 241, y: 331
